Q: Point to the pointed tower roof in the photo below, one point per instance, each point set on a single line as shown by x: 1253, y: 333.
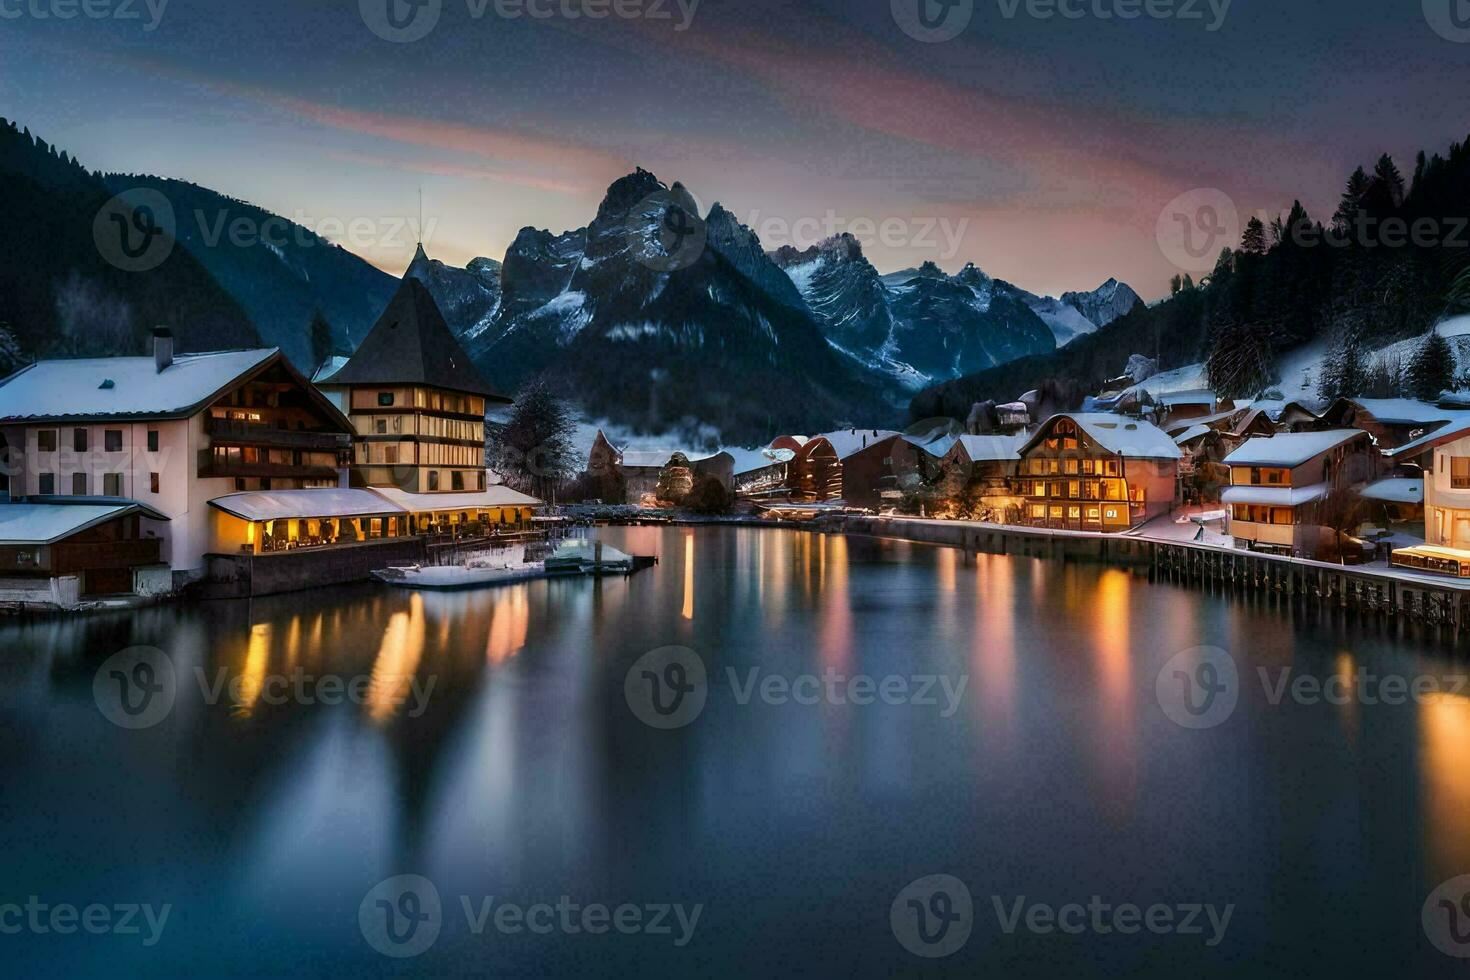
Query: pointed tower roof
x: 412, y: 345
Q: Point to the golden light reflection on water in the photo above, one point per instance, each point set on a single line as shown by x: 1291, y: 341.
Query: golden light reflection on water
x: 1116, y: 741
x: 1345, y: 668
x: 688, y: 611
x: 252, y: 676
x: 398, y: 661
x: 994, y: 652
x: 510, y: 622
x: 836, y: 613
x: 1444, y: 732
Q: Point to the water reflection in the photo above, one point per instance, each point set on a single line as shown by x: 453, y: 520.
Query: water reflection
x: 527, y: 776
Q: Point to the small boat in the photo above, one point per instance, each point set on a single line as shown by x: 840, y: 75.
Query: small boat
x: 592, y: 557
x: 470, y: 576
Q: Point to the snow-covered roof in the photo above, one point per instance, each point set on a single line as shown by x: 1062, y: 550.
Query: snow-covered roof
x: 1274, y: 496
x: 1197, y: 397
x: 276, y: 505
x: 937, y: 446
x: 659, y: 458
x: 31, y: 522
x: 985, y: 449
x: 1192, y: 433
x: 1457, y: 425
x: 848, y: 441
x: 492, y: 496
x: 1402, y: 410
x: 1116, y: 434
x: 1396, y: 490
x: 329, y: 367
x: 1290, y: 449
x: 124, y: 387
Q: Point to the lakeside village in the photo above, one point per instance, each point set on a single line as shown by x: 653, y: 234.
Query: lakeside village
x: 231, y: 474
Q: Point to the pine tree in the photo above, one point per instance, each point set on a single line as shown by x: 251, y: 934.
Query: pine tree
x: 1431, y: 368
x: 533, y: 451
x: 1345, y: 368
x: 1388, y: 173
x: 1352, y: 200
x: 321, y: 339
x: 1240, y: 360
x: 1253, y: 242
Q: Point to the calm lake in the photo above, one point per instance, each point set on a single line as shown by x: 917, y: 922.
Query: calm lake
x: 870, y: 713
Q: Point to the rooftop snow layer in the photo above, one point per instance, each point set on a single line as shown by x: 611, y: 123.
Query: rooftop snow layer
x: 1290, y: 448
x: 123, y: 387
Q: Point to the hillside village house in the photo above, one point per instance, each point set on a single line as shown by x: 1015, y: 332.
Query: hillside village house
x: 1096, y: 472
x: 417, y: 409
x: 1278, y: 484
x: 168, y: 434
x: 981, y: 470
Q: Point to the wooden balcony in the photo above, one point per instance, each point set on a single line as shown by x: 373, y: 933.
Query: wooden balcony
x: 235, y: 432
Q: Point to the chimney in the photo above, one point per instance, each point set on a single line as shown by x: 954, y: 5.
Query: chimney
x: 163, y: 348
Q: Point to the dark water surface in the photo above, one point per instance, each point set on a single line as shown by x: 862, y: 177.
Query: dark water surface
x: 265, y: 821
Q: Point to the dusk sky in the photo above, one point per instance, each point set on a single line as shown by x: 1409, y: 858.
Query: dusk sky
x: 1043, y: 150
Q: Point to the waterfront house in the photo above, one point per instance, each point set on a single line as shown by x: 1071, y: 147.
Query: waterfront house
x: 1279, y: 485
x: 642, y: 469
x: 1096, y: 472
x: 171, y: 433
x: 417, y: 408
x: 58, y: 551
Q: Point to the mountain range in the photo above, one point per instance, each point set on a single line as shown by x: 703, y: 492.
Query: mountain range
x: 653, y: 316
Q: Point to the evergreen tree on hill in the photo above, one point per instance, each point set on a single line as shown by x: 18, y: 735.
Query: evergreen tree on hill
x: 1431, y: 369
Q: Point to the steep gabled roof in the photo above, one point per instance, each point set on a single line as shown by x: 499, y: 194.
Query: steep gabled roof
x: 1116, y: 434
x: 412, y: 345
x: 1291, y: 449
